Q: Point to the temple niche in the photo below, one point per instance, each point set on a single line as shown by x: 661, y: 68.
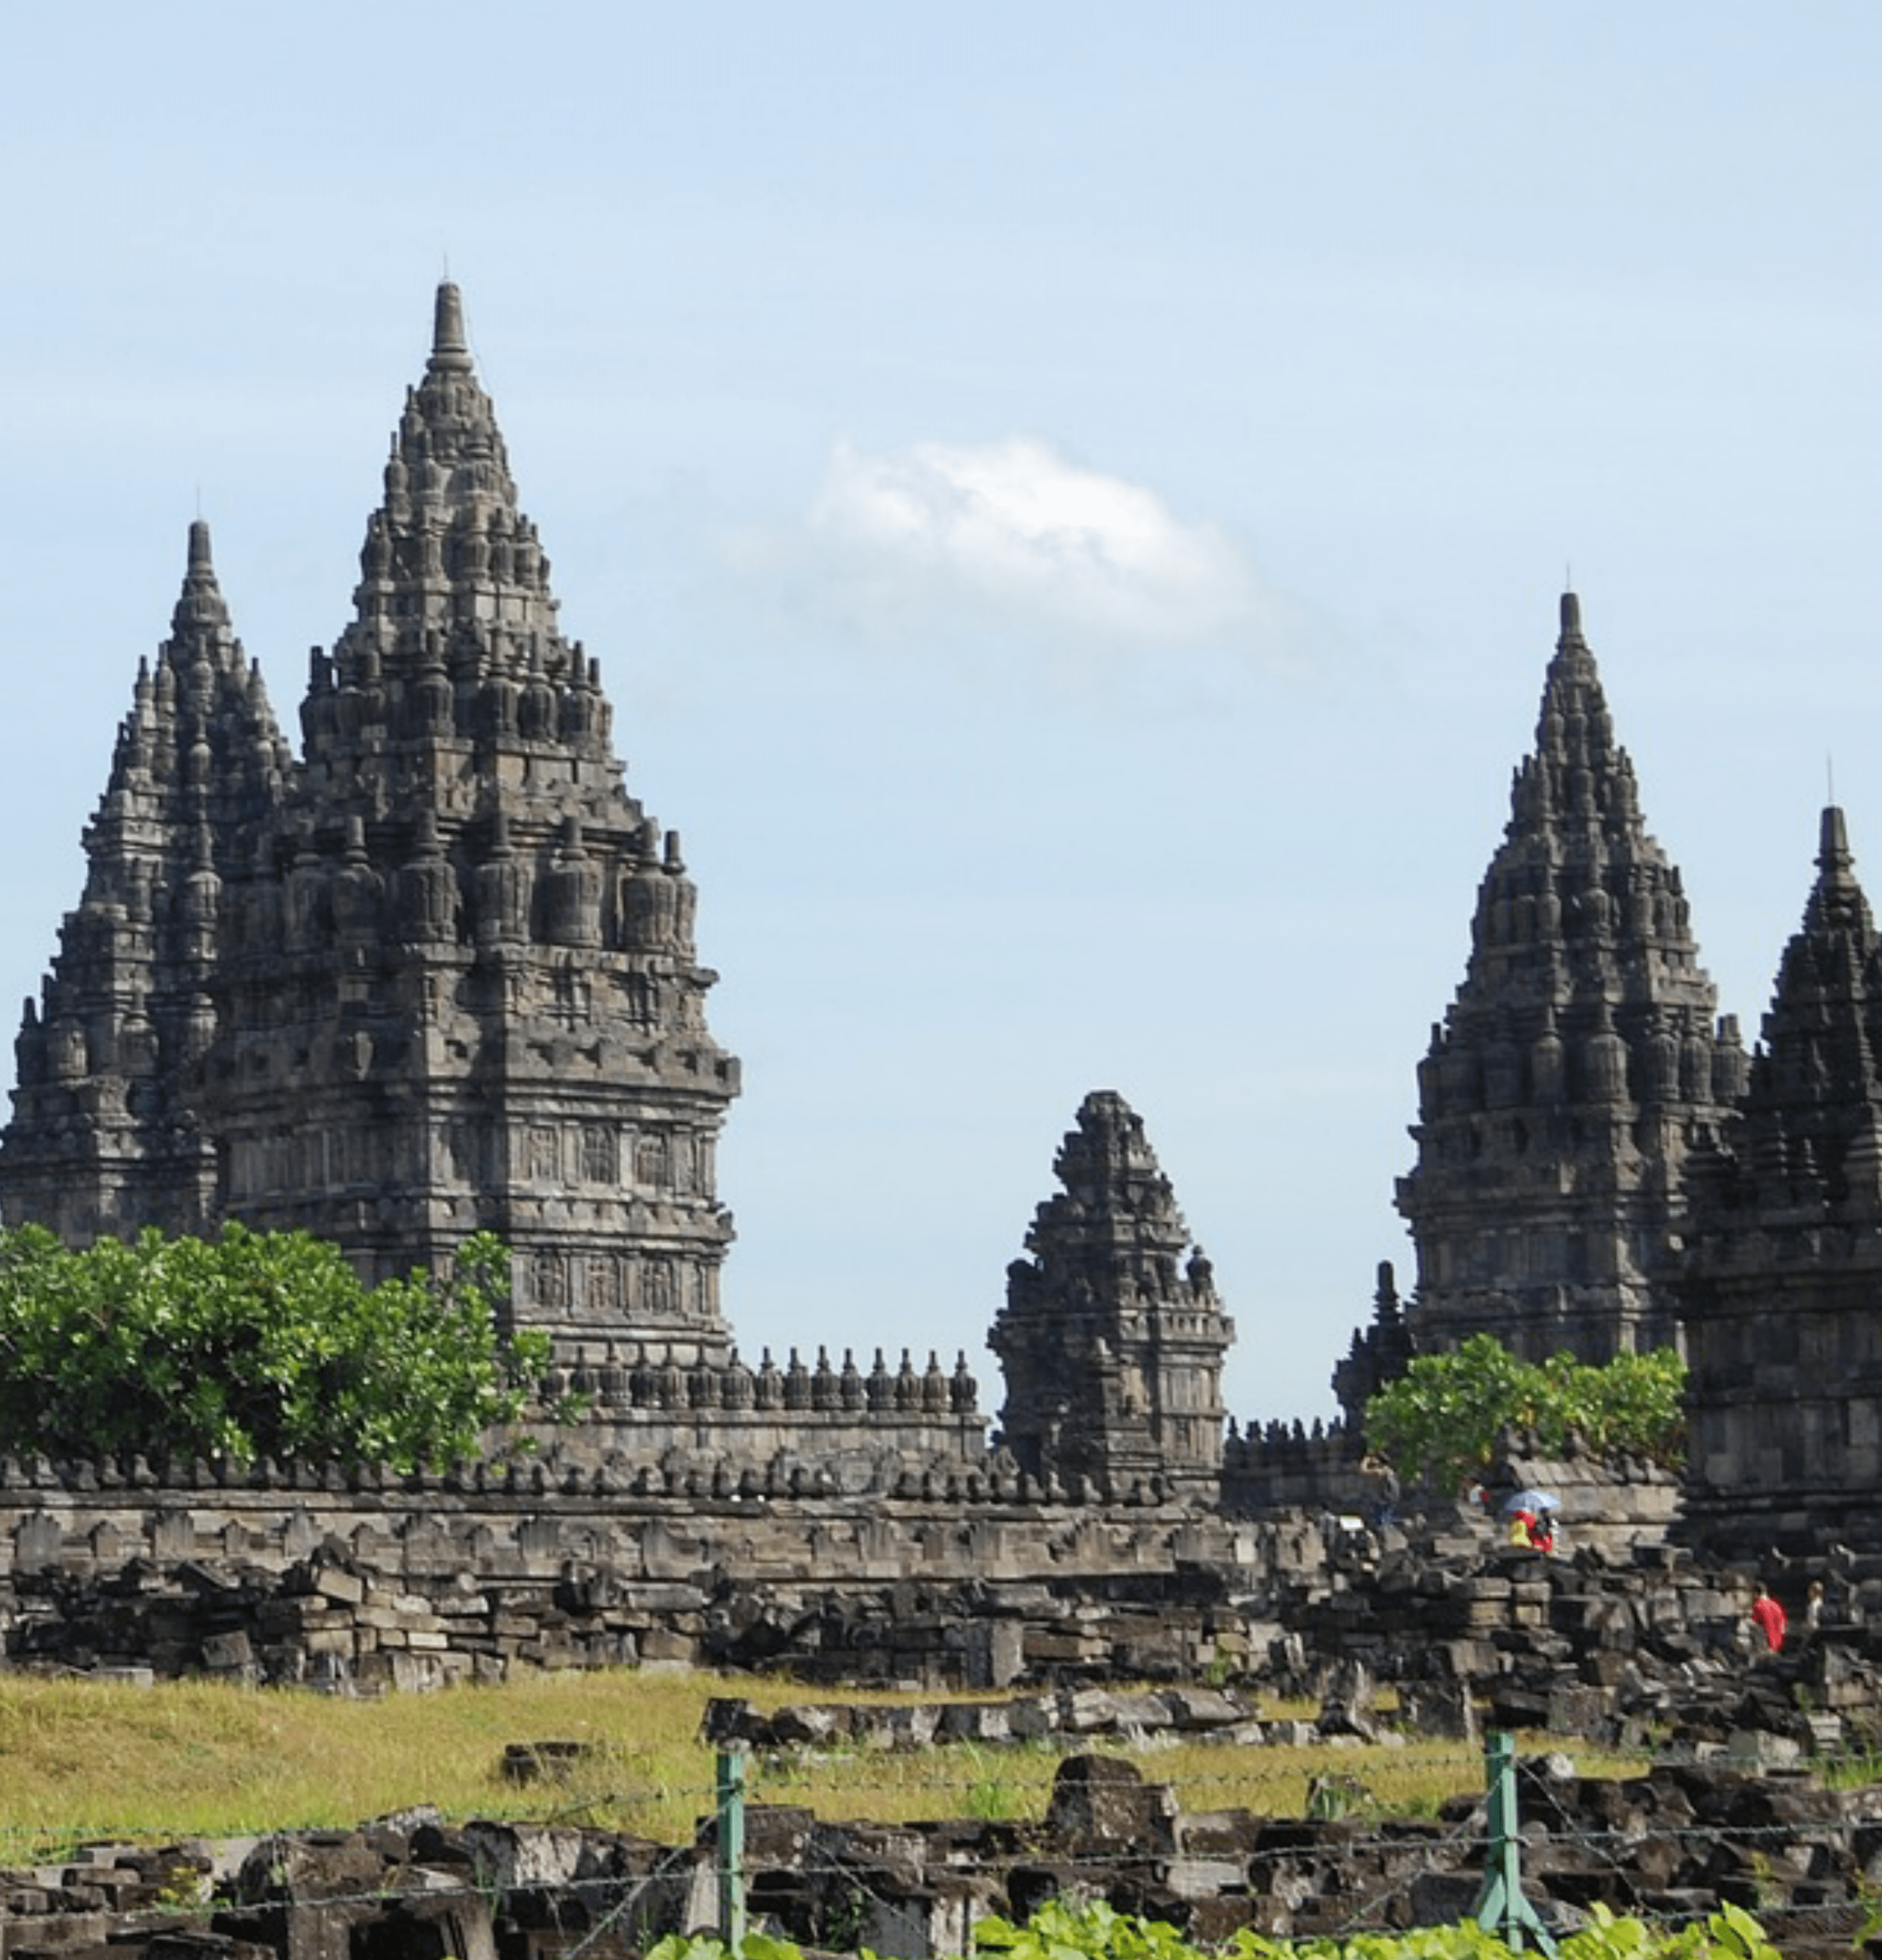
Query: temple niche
x: 438, y: 976
x: 1578, y: 1067
x: 1112, y: 1337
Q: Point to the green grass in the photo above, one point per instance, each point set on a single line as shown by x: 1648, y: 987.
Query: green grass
x: 88, y: 1759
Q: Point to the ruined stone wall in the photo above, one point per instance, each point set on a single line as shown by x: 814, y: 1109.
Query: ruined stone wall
x: 373, y: 1580
x: 531, y: 1521
x: 1284, y: 1467
x: 967, y: 1574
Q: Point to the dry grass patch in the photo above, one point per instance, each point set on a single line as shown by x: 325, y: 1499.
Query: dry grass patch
x: 89, y: 1759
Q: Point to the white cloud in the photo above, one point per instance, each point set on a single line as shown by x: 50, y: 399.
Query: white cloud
x: 1012, y: 535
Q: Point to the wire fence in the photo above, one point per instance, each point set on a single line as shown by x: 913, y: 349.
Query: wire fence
x: 1522, y: 1847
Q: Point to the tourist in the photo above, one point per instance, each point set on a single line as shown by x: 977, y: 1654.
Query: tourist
x: 1386, y: 1513
x: 1771, y: 1619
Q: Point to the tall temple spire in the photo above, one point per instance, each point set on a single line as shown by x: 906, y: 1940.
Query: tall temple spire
x: 454, y: 617
x: 438, y: 977
x: 1577, y: 1064
x: 1813, y: 1089
x: 102, y: 1138
x: 497, y: 1011
x: 1782, y: 1288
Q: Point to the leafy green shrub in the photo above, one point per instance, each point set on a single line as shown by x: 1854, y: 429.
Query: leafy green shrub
x: 1440, y: 1420
x: 1096, y: 1932
x: 256, y: 1343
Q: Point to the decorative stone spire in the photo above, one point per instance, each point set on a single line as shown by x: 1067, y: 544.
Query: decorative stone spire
x: 1377, y: 1356
x: 453, y: 595
x: 1578, y: 1065
x: 1782, y: 1298
x: 1813, y: 1092
x: 400, y: 992
x: 1112, y: 1343
x: 114, y: 1143
x: 465, y: 1008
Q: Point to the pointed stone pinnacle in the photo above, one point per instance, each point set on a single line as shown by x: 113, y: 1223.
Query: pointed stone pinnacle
x: 1833, y: 849
x: 449, y: 347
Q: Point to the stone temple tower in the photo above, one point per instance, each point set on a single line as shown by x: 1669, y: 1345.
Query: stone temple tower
x: 1577, y: 1067
x: 1112, y: 1341
x: 107, y: 1133
x: 1783, y: 1291
x: 438, y: 976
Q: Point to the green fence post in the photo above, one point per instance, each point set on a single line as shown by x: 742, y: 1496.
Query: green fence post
x: 732, y: 1847
x: 1501, y: 1908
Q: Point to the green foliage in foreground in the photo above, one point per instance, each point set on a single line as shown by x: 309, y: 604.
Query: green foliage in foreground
x: 1440, y: 1420
x: 256, y: 1343
x: 1057, y: 1931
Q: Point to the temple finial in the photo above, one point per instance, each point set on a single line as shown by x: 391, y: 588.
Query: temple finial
x: 199, y: 558
x: 449, y: 348
x: 1571, y: 615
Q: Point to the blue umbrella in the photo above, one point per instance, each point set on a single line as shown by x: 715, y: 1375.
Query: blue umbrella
x: 1531, y: 1501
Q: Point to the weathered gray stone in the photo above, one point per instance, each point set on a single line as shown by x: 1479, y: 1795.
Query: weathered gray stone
x: 1101, y: 1800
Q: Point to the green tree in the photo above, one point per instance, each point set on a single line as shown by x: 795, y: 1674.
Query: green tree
x: 1440, y: 1420
x: 252, y: 1344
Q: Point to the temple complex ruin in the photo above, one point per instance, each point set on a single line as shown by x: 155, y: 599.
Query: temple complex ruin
x: 437, y: 973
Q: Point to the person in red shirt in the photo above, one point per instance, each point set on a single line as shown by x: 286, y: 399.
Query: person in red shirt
x: 1771, y: 1619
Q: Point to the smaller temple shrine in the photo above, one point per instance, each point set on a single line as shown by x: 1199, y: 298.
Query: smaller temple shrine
x: 1112, y: 1338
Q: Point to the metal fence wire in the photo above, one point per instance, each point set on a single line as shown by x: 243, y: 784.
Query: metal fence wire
x: 1524, y: 1858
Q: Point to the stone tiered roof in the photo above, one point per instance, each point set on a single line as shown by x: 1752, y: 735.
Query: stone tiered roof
x: 1577, y: 1066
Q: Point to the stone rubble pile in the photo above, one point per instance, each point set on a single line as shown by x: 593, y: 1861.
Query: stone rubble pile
x: 334, y: 1623
x: 1193, y: 1714
x: 1679, y: 1841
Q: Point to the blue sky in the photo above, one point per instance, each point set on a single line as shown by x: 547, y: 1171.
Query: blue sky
x: 1069, y: 499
